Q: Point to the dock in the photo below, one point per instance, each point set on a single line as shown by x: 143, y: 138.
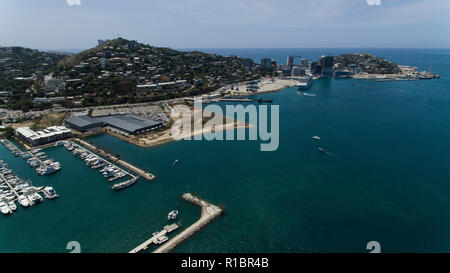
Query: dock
x: 121, y: 162
x: 127, y: 173
x: 156, y: 238
x: 208, y: 214
x: 236, y: 99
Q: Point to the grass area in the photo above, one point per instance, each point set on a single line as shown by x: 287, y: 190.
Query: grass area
x: 52, y: 119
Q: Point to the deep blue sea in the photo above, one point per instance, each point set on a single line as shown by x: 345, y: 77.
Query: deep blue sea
x: 385, y: 178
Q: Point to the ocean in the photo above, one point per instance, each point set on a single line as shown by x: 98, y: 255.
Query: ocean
x: 385, y: 177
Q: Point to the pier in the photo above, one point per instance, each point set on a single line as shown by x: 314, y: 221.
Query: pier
x: 127, y: 173
x: 157, y: 238
x: 121, y: 162
x: 10, y: 186
x: 209, y: 213
x: 236, y: 99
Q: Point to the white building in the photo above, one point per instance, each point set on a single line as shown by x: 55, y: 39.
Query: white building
x: 48, y: 135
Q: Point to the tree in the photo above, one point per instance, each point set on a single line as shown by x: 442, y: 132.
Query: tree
x: 8, y: 132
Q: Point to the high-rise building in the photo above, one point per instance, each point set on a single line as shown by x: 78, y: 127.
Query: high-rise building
x: 247, y: 62
x: 290, y: 61
x: 266, y: 64
x: 327, y: 62
x: 315, y: 68
x: 304, y: 62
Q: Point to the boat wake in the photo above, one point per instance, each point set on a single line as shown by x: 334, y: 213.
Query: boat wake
x: 309, y: 94
x: 333, y: 155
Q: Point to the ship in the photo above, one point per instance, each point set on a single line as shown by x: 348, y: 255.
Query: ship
x: 304, y: 83
x: 260, y: 100
x: 322, y: 150
x: 125, y: 184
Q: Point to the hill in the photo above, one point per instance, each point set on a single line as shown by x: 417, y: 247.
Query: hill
x: 121, y: 71
x: 19, y: 69
x: 368, y: 63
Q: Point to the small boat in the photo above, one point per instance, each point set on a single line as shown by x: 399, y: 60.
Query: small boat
x: 321, y: 150
x: 172, y: 215
x: 50, y: 192
x: 260, y: 100
x: 316, y: 137
x: 175, y: 162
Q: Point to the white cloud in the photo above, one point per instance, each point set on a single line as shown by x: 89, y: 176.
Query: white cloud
x: 73, y: 2
x: 374, y: 2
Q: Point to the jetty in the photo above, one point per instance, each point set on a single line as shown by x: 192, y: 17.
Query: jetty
x: 236, y: 99
x: 121, y: 162
x: 157, y: 238
x: 208, y: 214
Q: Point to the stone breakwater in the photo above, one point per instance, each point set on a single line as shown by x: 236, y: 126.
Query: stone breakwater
x: 208, y: 214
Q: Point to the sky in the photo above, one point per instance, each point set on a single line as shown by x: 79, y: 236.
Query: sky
x: 78, y: 24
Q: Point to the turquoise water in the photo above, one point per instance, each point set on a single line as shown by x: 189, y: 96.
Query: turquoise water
x: 386, y: 178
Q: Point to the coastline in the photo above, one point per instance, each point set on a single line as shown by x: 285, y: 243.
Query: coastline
x: 153, y: 139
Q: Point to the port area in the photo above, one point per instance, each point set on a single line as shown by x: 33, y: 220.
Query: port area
x: 121, y: 162
x: 208, y: 214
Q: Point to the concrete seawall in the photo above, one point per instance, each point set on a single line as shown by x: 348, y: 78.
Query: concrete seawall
x: 121, y: 162
x: 209, y: 213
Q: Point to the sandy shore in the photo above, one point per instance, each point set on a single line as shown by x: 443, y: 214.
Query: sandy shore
x: 265, y: 85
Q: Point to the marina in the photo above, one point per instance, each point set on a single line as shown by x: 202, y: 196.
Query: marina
x: 110, y: 171
x: 36, y: 158
x: 121, y: 162
x: 13, y: 188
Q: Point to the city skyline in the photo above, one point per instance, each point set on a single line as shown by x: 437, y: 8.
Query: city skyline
x: 78, y: 24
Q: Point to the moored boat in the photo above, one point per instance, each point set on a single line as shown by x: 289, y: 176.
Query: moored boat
x: 125, y: 184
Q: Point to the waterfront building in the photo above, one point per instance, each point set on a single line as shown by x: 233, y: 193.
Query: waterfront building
x: 125, y: 124
x: 298, y: 71
x: 315, y: 68
x: 342, y: 74
x: 326, y: 62
x: 48, y: 135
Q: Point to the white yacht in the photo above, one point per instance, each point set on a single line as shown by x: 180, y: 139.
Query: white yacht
x: 4, y: 208
x: 23, y: 201
x: 12, y: 205
x: 316, y: 137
